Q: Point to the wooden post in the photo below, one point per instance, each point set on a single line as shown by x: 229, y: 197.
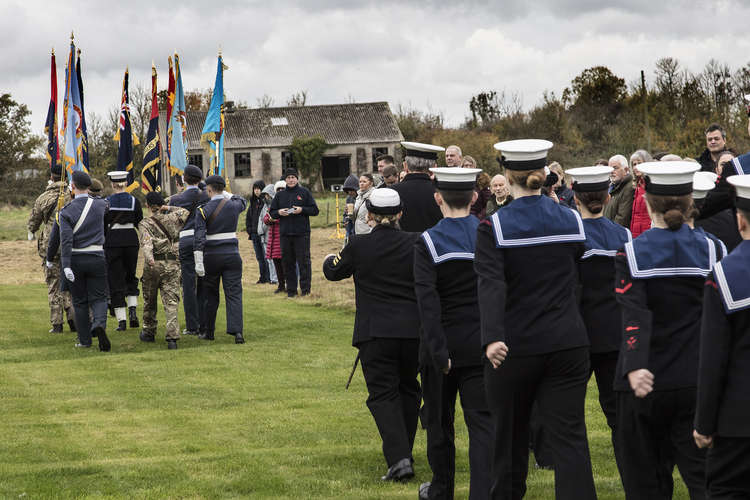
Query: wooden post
x: 644, y: 94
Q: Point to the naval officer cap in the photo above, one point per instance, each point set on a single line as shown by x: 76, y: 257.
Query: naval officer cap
x: 703, y: 182
x: 524, y: 154
x: 118, y: 175
x: 384, y: 201
x: 216, y: 180
x: 590, y: 179
x: 420, y: 150
x: 194, y: 171
x: 741, y: 185
x: 673, y: 178
x: 455, y: 178
x: 81, y: 179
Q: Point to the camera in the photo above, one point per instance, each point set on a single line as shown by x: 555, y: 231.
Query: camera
x: 337, y: 188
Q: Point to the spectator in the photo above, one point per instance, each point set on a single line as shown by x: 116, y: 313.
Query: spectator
x: 602, y: 161
x: 453, y: 156
x: 620, y: 207
x: 263, y: 229
x: 716, y: 143
x: 639, y: 156
x: 482, y: 189
x: 501, y: 195
x: 390, y: 176
x: 564, y: 193
x: 717, y: 214
x: 295, y: 205
x: 359, y: 215
x: 252, y: 218
x: 351, y: 185
x: 273, y: 241
x: 383, y: 162
x: 417, y: 192
x: 670, y: 157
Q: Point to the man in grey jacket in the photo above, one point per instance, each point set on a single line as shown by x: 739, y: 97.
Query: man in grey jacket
x: 620, y: 206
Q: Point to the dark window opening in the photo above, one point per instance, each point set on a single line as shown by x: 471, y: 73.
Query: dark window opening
x: 196, y: 160
x: 242, y: 165
x: 287, y: 160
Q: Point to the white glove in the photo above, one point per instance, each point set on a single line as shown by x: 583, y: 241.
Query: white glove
x: 69, y: 274
x: 49, y: 264
x: 199, y: 269
x: 30, y: 236
x: 226, y: 194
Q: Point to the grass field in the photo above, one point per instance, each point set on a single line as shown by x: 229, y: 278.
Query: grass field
x: 269, y: 418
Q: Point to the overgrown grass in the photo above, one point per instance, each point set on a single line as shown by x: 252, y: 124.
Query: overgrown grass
x: 13, y: 222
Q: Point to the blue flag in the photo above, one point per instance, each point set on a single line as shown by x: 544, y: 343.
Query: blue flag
x: 212, y: 136
x: 177, y: 128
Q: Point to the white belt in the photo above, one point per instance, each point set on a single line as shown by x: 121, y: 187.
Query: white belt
x: 186, y: 233
x: 90, y: 248
x: 221, y: 236
x: 128, y: 225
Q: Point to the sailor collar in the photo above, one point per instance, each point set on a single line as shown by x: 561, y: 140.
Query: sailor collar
x: 452, y: 239
x: 733, y: 279
x: 741, y: 164
x: 121, y: 201
x: 664, y: 253
x: 536, y: 220
x: 604, y: 237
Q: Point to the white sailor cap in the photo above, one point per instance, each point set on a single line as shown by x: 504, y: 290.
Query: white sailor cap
x: 524, y: 154
x: 590, y: 179
x: 384, y: 201
x: 741, y: 185
x: 455, y: 178
x: 419, y: 150
x: 118, y: 175
x: 672, y: 178
x: 703, y: 182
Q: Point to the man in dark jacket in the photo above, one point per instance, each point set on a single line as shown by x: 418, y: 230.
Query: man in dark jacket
x: 716, y: 143
x: 293, y: 207
x: 254, y: 208
x: 620, y: 206
x: 420, y: 212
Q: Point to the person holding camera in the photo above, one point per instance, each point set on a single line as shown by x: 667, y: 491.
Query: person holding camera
x: 366, y: 187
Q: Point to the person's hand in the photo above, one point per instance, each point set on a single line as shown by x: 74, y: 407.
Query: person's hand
x: 702, y: 441
x: 447, y: 369
x: 164, y: 208
x: 642, y: 382
x: 496, y: 353
x: 150, y: 261
x: 296, y: 210
x: 30, y: 236
x: 69, y: 274
x: 49, y: 264
x: 198, y: 258
x: 283, y: 212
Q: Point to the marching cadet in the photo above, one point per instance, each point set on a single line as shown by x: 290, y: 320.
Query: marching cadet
x: 526, y: 261
x: 417, y: 190
x: 722, y: 417
x: 386, y: 326
x: 121, y: 249
x: 43, y: 216
x: 216, y: 240
x: 81, y: 239
x: 659, y: 285
x: 703, y: 183
x: 596, y: 270
x: 161, y: 272
x: 446, y: 289
x: 192, y: 286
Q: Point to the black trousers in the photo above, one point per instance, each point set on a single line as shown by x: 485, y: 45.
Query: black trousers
x: 260, y: 256
x: 653, y: 434
x: 227, y: 268
x: 295, y: 250
x: 121, y: 266
x: 390, y: 368
x: 439, y: 391
x: 88, y: 291
x: 279, y: 273
x: 728, y: 469
x: 557, y: 381
x: 192, y: 291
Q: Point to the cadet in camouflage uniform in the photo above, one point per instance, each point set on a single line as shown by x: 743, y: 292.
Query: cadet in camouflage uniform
x: 160, y: 236
x: 43, y: 216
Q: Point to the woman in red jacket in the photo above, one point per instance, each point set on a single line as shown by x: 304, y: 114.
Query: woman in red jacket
x: 273, y: 243
x: 639, y: 220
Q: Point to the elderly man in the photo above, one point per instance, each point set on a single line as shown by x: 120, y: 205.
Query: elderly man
x: 453, y: 156
x: 716, y: 143
x: 500, y: 194
x: 620, y: 207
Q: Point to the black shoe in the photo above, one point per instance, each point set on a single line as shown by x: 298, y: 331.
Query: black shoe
x: 189, y: 332
x: 424, y: 491
x: 400, y: 471
x: 171, y: 344
x: 83, y: 346
x: 280, y: 289
x: 122, y: 326
x: 57, y: 328
x: 72, y: 325
x: 133, y: 317
x: 146, y: 337
x: 111, y: 310
x: 305, y: 293
x: 206, y: 336
x: 291, y: 295
x: 238, y: 338
x: 104, y: 344
x: 261, y: 281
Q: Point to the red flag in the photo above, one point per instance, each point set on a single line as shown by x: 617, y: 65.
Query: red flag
x: 50, y: 127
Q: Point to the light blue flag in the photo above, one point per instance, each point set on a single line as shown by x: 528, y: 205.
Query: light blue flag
x: 212, y: 136
x: 178, y: 125
x: 73, y: 134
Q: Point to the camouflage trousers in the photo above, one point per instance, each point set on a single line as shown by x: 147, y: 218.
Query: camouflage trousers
x: 59, y: 301
x: 164, y: 277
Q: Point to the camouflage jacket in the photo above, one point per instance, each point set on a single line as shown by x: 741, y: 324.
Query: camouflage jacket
x: 153, y: 239
x: 43, y: 214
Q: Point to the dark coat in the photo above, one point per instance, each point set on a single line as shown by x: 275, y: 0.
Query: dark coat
x: 707, y: 163
x: 382, y: 263
x: 420, y: 211
x: 225, y: 223
x: 298, y: 224
x: 620, y: 206
x: 255, y: 205
x: 124, y: 208
x: 565, y: 196
x: 190, y: 199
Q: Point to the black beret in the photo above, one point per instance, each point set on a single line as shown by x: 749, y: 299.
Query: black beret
x: 194, y: 171
x: 291, y: 171
x: 56, y: 169
x: 216, y: 180
x: 155, y: 198
x: 81, y: 179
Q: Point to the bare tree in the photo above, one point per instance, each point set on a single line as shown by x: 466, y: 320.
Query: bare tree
x: 264, y: 102
x: 140, y: 110
x: 297, y: 99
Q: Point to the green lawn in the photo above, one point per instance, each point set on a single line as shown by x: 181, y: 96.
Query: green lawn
x: 13, y: 222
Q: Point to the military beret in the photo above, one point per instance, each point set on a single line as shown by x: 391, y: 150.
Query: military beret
x: 81, y: 179
x: 216, y: 180
x: 96, y: 186
x: 155, y: 198
x: 194, y: 171
x: 56, y: 169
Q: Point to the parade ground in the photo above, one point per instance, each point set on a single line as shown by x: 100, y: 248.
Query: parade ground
x: 267, y: 419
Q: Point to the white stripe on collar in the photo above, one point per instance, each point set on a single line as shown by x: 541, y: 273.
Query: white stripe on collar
x: 738, y: 166
x: 670, y: 271
x: 726, y: 293
x: 132, y: 205
x: 605, y: 253
x: 448, y: 256
x: 559, y: 238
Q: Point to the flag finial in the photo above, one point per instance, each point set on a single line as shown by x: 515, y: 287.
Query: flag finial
x: 219, y: 50
x: 78, y: 52
x: 53, y: 51
x: 71, y: 36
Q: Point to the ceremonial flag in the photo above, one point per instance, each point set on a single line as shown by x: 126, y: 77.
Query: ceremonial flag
x: 151, y: 173
x: 170, y: 103
x: 72, y: 118
x: 178, y: 126
x: 125, y: 137
x: 50, y: 126
x: 84, y: 134
x: 212, y: 137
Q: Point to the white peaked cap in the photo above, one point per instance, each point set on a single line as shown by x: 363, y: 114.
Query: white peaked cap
x: 420, y: 150
x: 672, y: 178
x: 384, y: 201
x: 118, y: 175
x: 524, y: 154
x: 703, y: 182
x: 590, y: 178
x: 456, y: 178
x: 741, y: 185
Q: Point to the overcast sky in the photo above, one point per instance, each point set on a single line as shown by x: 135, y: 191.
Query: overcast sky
x: 428, y: 54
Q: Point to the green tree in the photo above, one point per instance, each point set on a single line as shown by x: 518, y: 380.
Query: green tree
x: 307, y: 153
x: 19, y: 149
x: 596, y: 96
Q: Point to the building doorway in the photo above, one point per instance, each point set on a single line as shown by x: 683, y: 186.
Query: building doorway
x: 335, y: 169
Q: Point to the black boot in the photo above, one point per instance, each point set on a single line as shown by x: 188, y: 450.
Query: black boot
x: 72, y: 325
x: 104, y: 344
x: 146, y: 336
x: 133, y: 317
x: 111, y: 309
x: 56, y: 328
x: 206, y: 336
x: 171, y: 344
x: 122, y: 326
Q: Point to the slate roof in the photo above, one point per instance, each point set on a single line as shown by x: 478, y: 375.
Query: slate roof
x: 356, y: 123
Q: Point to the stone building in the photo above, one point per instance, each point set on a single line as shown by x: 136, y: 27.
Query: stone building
x: 257, y: 140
